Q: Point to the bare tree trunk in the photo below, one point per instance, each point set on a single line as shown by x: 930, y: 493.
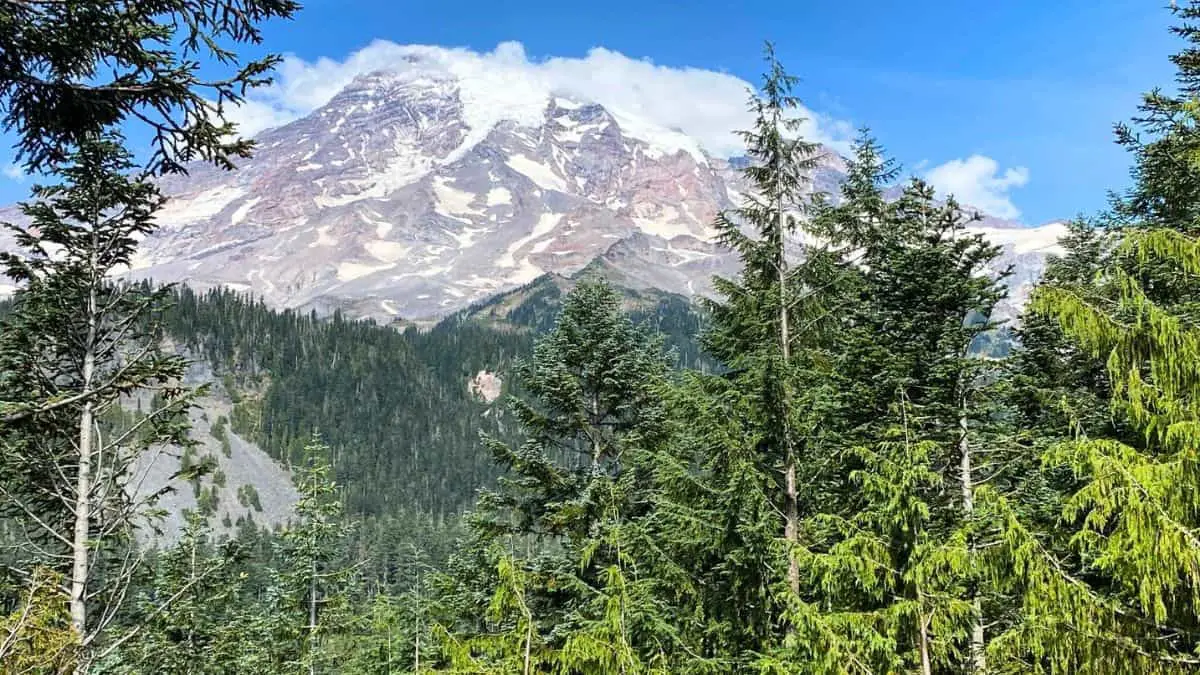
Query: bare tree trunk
x: 312, y: 618
x: 528, y: 643
x: 791, y: 530
x: 594, y: 432
x: 80, y: 558
x: 978, y: 659
x: 923, y: 644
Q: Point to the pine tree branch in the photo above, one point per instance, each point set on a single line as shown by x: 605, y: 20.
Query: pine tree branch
x: 162, y: 607
x: 15, y: 630
x: 53, y: 532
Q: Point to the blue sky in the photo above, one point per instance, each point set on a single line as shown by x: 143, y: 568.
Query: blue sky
x: 1011, y: 102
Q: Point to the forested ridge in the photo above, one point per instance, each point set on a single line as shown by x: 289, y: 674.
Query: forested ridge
x: 814, y: 471
x: 393, y: 405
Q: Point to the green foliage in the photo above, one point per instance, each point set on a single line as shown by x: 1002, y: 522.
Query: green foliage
x: 574, y: 494
x: 220, y: 431
x: 71, y: 72
x: 1131, y: 517
x: 36, y: 636
x: 74, y: 347
x: 307, y: 593
x: 202, y: 630
x: 247, y: 496
x: 394, y: 407
x: 836, y: 484
x: 1109, y: 585
x: 754, y: 431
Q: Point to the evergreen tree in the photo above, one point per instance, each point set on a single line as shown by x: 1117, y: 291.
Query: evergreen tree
x: 75, y: 346
x: 561, y: 529
x: 70, y: 72
x: 200, y: 629
x: 766, y: 317
x: 1110, y: 585
x: 305, y: 602
x: 76, y: 343
x: 1056, y: 385
x: 756, y: 432
x: 892, y: 562
x: 1115, y: 592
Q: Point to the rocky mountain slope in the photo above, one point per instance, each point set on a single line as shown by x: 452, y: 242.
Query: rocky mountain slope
x: 415, y: 195
x: 245, y: 483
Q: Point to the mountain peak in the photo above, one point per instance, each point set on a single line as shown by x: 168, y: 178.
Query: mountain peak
x: 416, y: 192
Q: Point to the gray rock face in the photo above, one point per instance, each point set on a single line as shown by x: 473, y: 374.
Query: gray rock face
x: 406, y: 196
x: 246, y: 482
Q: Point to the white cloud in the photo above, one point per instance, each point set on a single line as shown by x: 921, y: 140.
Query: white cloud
x: 704, y: 104
x: 14, y: 172
x: 977, y: 181
x: 253, y: 116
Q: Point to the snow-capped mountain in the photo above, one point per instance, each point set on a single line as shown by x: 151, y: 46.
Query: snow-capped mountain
x: 414, y: 195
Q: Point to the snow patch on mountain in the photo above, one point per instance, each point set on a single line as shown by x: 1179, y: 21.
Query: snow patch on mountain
x: 423, y: 193
x: 545, y: 225
x: 1044, y: 239
x: 189, y: 208
x: 541, y: 175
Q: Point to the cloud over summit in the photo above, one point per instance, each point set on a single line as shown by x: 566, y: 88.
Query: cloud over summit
x: 505, y: 83
x: 704, y: 104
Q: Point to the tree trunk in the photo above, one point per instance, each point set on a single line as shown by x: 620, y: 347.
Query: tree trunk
x: 978, y: 659
x: 312, y: 618
x: 594, y: 432
x: 923, y: 644
x: 80, y: 558
x: 791, y: 529
x: 528, y: 644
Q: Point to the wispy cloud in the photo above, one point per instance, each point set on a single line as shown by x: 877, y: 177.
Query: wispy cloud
x: 704, y: 104
x: 977, y: 181
x: 14, y: 172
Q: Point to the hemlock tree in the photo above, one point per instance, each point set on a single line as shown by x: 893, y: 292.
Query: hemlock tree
x: 1111, y: 586
x: 1115, y: 591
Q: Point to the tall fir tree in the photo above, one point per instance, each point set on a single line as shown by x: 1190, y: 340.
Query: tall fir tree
x: 305, y: 607
x: 560, y: 536
x: 761, y: 324
x: 768, y: 330
x: 890, y: 566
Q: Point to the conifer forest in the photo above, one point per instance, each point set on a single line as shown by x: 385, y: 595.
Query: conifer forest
x: 837, y: 464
